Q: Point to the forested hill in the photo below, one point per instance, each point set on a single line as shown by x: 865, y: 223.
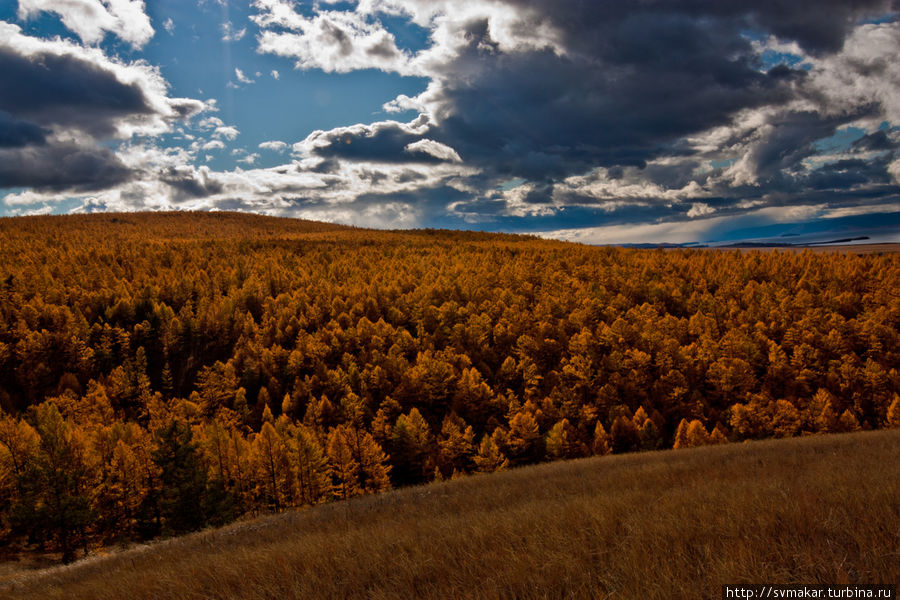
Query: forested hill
x: 159, y: 372
x: 161, y: 226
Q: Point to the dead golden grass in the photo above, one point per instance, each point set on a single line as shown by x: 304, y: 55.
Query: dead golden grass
x: 673, y: 524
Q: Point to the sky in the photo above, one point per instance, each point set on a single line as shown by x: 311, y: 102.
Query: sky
x: 599, y: 121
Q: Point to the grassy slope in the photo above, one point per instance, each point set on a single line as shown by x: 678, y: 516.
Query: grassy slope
x: 672, y: 524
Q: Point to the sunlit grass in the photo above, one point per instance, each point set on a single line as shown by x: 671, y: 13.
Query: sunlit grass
x: 674, y: 524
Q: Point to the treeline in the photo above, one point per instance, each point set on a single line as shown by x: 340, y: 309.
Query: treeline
x: 162, y: 372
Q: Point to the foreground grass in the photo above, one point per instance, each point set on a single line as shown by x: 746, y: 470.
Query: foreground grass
x: 673, y: 524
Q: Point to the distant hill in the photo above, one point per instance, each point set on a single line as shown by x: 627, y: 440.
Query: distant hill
x: 168, y: 225
x: 674, y: 525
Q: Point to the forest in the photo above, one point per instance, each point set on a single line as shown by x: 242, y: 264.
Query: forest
x: 160, y: 373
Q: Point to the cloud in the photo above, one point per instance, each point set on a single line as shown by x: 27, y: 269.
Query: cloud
x: 60, y: 166
x: 169, y: 26
x: 91, y: 20
x: 383, y: 142
x: 226, y: 131
x: 359, y: 192
x: 275, y: 74
x: 664, y: 104
x: 333, y: 41
x: 64, y: 85
x: 538, y: 114
x: 550, y: 89
x: 210, y: 122
x: 230, y: 34
x: 15, y: 133
x: 434, y: 149
x: 274, y: 145
x: 68, y: 98
x: 241, y: 77
x: 700, y: 209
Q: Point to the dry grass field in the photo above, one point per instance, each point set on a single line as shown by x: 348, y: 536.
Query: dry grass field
x: 672, y: 524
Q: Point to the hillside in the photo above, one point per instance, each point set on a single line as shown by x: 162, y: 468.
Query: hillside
x: 661, y: 525
x: 161, y: 373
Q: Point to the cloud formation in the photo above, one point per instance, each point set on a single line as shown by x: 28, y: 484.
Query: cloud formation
x: 549, y: 90
x: 274, y: 145
x: 662, y: 105
x: 546, y: 115
x: 67, y: 98
x: 334, y: 41
x: 91, y: 20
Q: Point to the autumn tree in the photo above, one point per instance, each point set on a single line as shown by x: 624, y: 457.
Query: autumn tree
x: 374, y: 467
x: 560, y: 442
x: 602, y: 444
x: 411, y: 449
x: 892, y: 418
x: 310, y: 465
x: 344, y: 467
x: 182, y: 480
x: 785, y: 419
x: 58, y: 481
x: 697, y: 434
x: 125, y: 476
x: 681, y: 435
x: 624, y: 435
x: 489, y: 457
x: 270, y: 460
x: 456, y: 446
x: 19, y: 447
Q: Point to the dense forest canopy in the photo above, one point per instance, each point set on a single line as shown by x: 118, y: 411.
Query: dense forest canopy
x: 161, y: 372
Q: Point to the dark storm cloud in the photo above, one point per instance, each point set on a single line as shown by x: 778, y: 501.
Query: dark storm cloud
x: 15, y: 133
x: 849, y: 173
x: 818, y: 28
x: 68, y: 91
x: 618, y: 110
x: 61, y: 166
x: 792, y: 139
x: 59, y: 105
x: 675, y: 175
x: 635, y: 88
x: 627, y: 82
x: 383, y: 142
x: 875, y: 141
x: 190, y: 183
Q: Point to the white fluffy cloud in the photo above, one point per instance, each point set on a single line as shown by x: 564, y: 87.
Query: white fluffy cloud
x: 241, y: 77
x: 274, y: 145
x: 232, y: 34
x: 862, y: 73
x: 433, y: 148
x: 91, y: 20
x: 700, y: 209
x: 334, y: 41
x: 226, y: 131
